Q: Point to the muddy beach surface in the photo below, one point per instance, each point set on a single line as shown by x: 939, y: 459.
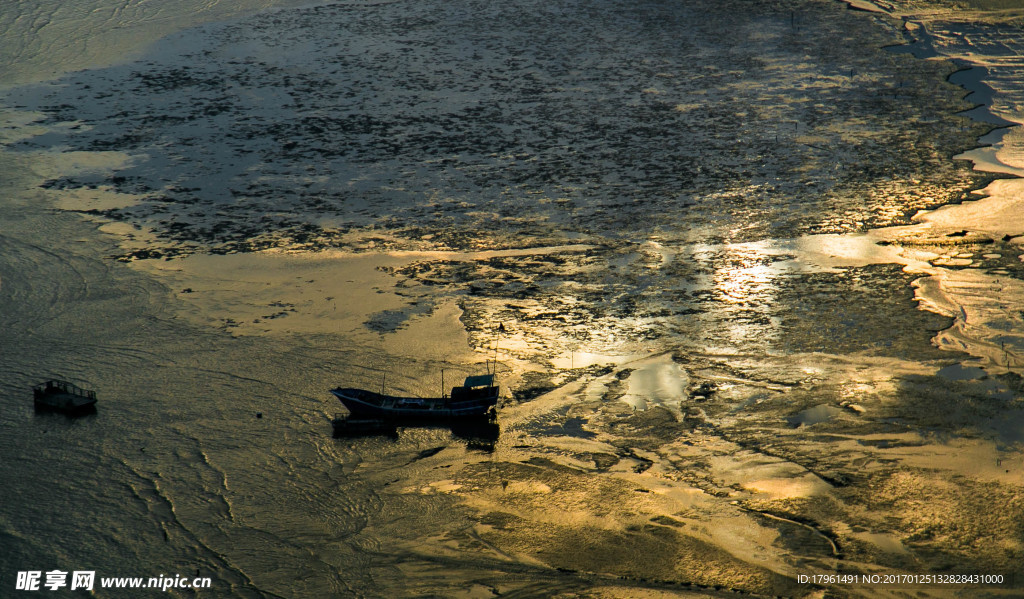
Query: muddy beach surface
x: 731, y: 354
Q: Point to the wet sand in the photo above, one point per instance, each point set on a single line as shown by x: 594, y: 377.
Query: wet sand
x: 705, y: 256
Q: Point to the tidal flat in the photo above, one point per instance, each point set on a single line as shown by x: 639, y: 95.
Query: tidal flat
x: 751, y: 317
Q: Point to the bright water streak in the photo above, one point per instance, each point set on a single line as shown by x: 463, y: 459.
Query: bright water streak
x: 44, y: 38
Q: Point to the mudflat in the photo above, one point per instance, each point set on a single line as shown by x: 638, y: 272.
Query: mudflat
x: 735, y: 352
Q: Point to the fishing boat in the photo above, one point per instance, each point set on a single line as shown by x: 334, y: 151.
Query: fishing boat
x: 477, y: 396
x: 62, y: 396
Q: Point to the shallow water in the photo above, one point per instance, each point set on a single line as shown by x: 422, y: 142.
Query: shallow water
x: 716, y: 376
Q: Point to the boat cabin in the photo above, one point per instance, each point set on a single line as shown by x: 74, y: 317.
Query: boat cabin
x: 55, y: 387
x: 476, y: 387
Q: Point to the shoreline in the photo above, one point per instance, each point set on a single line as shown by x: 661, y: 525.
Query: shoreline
x: 771, y: 410
x: 994, y: 211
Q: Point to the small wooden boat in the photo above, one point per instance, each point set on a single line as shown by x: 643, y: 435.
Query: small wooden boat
x: 62, y: 396
x: 476, y: 397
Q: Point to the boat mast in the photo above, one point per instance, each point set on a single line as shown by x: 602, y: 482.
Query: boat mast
x: 497, y: 340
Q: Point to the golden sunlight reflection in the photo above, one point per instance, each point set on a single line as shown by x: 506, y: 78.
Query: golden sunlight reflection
x: 745, y: 277
x: 659, y: 382
x: 744, y: 282
x: 574, y: 339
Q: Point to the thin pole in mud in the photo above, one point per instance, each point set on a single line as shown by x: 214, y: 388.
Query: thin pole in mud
x: 383, y: 377
x: 497, y: 340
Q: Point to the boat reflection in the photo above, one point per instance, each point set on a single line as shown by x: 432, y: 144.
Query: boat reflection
x: 478, y: 432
